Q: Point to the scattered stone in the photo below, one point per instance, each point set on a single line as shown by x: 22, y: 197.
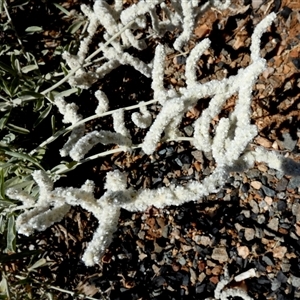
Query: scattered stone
x: 294, y: 236
x: 201, y: 277
x: 279, y: 252
x: 268, y: 200
x: 281, y: 205
x: 256, y: 184
x: 202, y: 240
x: 294, y: 183
x: 249, y: 234
x: 275, y: 284
x: 157, y: 248
x: 214, y: 279
x: 254, y: 206
x: 263, y: 142
x: 268, y: 261
x: 297, y: 227
x: 217, y: 270
x: 238, y: 227
x: 261, y: 219
x: 193, y: 276
x: 273, y: 224
x: 156, y: 269
x: 281, y: 277
x: 288, y: 143
x: 198, y: 156
x: 186, y: 248
x: 245, y: 275
x: 176, y: 266
x: 263, y: 205
x: 182, y: 261
x: 253, y: 173
x: 281, y: 195
x: 268, y: 192
x: 281, y: 184
x: 243, y: 251
x: 285, y: 265
x: 245, y: 187
x: 220, y: 254
x: 262, y: 167
x: 295, y: 281
x: 296, y: 211
x: 246, y: 213
x: 189, y: 130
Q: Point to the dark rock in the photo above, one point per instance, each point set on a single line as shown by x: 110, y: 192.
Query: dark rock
x: 294, y: 183
x: 275, y: 285
x: 180, y: 60
x: 268, y: 261
x: 200, y: 287
x: 159, y: 281
x: 263, y: 280
x: 281, y: 184
x: 281, y: 277
x: 268, y: 192
x: 285, y: 12
x: 259, y: 266
x: 296, y: 62
x: 253, y: 173
x: 245, y: 187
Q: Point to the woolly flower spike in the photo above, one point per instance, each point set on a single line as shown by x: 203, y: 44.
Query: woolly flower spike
x: 126, y: 59
x: 72, y: 60
x: 88, y: 186
x: 103, y: 102
x: 83, y: 80
x: 45, y: 212
x: 92, y: 28
x: 43, y: 181
x: 40, y: 220
x: 74, y: 137
x: 136, y: 10
x: 170, y: 110
x: 108, y: 222
x: 105, y: 16
x: 191, y: 62
x: 20, y: 195
x: 158, y: 74
x: 118, y: 6
x: 219, y: 5
x: 143, y: 119
x: 116, y: 181
x: 119, y: 126
x: 119, y: 122
x: 107, y: 68
x: 188, y: 25
x: 87, y: 142
x: 69, y: 111
x: 258, y: 32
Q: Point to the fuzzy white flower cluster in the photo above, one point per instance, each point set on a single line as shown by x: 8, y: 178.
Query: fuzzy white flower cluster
x: 228, y: 145
x: 179, y: 14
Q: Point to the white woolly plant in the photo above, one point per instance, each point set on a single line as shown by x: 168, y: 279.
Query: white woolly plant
x: 179, y: 14
x: 228, y: 147
x: 229, y: 144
